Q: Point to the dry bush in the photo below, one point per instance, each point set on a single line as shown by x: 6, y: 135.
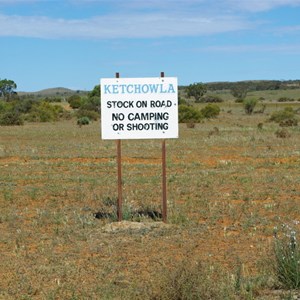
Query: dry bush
x: 260, y: 126
x: 288, y: 123
x: 193, y: 280
x: 215, y: 131
x: 282, y: 133
x: 190, y: 125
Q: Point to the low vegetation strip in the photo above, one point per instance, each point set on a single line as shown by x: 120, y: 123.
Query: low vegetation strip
x: 233, y: 211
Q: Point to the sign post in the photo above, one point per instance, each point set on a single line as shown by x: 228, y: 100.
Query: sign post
x: 139, y: 108
x: 119, y: 162
x: 164, y: 175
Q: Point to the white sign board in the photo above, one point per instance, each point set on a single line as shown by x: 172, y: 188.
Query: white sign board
x: 139, y: 108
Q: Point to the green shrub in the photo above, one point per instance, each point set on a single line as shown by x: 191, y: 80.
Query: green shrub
x: 83, y: 121
x: 74, y: 101
x: 188, y: 114
x: 92, y: 104
x: 86, y: 103
x: 11, y: 118
x: 53, y: 99
x: 92, y: 115
x: 45, y: 112
x: 249, y: 105
x: 182, y: 101
x: 210, y: 111
x: 287, y: 257
x: 285, y: 99
x: 23, y: 106
x: 238, y: 100
x: 95, y: 92
x: 210, y: 99
x: 284, y: 115
x: 3, y: 106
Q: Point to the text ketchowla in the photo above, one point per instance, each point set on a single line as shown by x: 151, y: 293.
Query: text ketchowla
x: 157, y: 88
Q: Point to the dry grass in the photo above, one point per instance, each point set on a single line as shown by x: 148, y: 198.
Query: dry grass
x: 226, y: 192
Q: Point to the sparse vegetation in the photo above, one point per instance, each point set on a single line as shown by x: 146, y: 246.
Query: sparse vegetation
x: 191, y: 280
x: 285, y: 99
x: 45, y: 112
x: 231, y: 180
x: 210, y: 99
x: 48, y: 106
x: 285, y: 117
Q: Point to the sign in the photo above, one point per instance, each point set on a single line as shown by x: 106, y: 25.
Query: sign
x: 139, y: 108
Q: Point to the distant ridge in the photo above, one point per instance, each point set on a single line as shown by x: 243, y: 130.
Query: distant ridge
x: 51, y: 91
x: 57, y: 91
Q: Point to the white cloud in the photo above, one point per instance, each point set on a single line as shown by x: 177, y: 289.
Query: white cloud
x: 118, y: 26
x: 289, y: 30
x: 260, y: 5
x: 248, y: 5
x: 141, y: 19
x: 283, y: 49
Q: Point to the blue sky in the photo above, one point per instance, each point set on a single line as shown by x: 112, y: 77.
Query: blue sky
x: 74, y: 43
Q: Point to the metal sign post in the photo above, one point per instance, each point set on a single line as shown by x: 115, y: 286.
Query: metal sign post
x: 164, y: 176
x: 119, y: 162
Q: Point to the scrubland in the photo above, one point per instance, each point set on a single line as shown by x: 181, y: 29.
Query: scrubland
x: 233, y: 186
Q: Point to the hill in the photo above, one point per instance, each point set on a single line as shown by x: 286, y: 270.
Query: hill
x: 51, y: 92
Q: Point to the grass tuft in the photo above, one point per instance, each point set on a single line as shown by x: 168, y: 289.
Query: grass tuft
x: 287, y: 257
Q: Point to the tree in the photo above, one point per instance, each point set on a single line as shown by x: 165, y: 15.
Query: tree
x: 95, y: 92
x: 196, y: 90
x: 7, y: 88
x: 93, y: 101
x: 239, y: 91
x: 92, y: 104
